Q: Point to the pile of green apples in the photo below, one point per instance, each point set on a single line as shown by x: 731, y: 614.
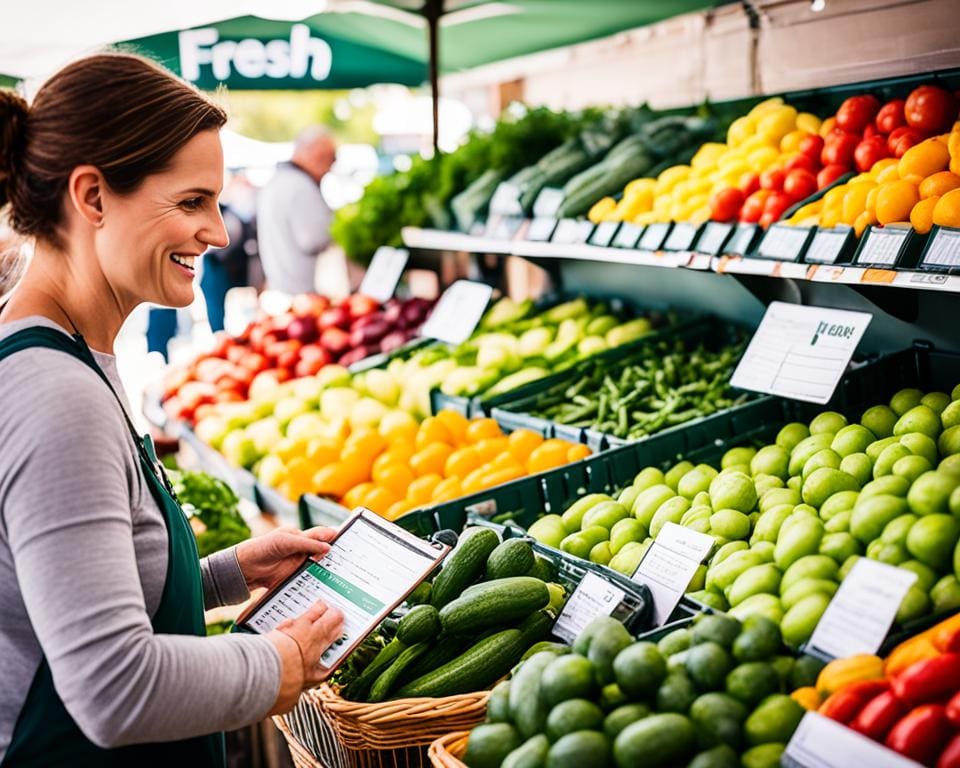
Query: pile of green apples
x: 791, y: 519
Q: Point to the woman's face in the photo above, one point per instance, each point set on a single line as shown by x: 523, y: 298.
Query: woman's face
x: 151, y: 240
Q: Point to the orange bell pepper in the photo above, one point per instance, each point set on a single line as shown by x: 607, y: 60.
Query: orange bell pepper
x: 807, y: 697
x: 910, y: 651
x: 946, y: 635
x: 840, y: 672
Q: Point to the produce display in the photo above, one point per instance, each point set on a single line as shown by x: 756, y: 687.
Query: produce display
x: 710, y: 695
x: 315, y: 333
x: 666, y: 384
x: 212, y: 507
x: 791, y: 518
x: 910, y: 702
x: 489, y: 604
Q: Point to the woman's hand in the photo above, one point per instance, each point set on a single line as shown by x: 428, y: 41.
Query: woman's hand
x: 301, y: 643
x: 268, y: 559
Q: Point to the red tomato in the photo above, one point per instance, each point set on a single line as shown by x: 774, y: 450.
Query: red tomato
x: 236, y: 353
x: 222, y: 343
x: 776, y: 205
x: 749, y: 183
x: 902, y: 139
x: 839, y: 149
x: 805, y: 162
x: 869, y: 151
x: 890, y: 117
x: 930, y: 109
x: 799, y: 184
x: 257, y: 336
x: 812, y: 146
x: 830, y: 174
x: 726, y: 204
x: 772, y: 179
x: 360, y: 305
x: 857, y: 112
x: 753, y: 206
x: 308, y: 367
x: 255, y: 362
x: 870, y: 131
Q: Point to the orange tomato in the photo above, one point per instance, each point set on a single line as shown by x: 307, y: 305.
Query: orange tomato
x: 938, y: 184
x: 363, y: 445
x: 432, y: 430
x: 505, y: 460
x: 921, y: 215
x: 551, y: 454
x: 522, y: 443
x: 480, y: 428
x: 462, y: 462
x: 576, y: 453
x: 491, y: 447
x: 421, y: 489
x: 456, y: 423
x: 946, y: 213
x: 322, y: 450
x: 447, y: 490
x: 354, y: 497
x: 398, y: 426
x: 925, y: 159
x: 499, y: 476
x: 299, y: 470
x: 398, y: 508
x: 431, y: 459
x: 396, y: 477
x: 473, y: 482
x: 380, y: 499
x: 334, y: 480
x: 287, y: 449
x: 895, y: 200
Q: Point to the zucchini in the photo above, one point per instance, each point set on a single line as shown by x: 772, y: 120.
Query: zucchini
x: 474, y: 670
x: 543, y: 569
x: 446, y: 649
x: 514, y: 557
x: 421, y: 595
x: 357, y: 690
x: 419, y: 625
x: 536, y: 627
x: 633, y: 166
x: 391, y: 675
x: 464, y: 565
x: 494, y: 602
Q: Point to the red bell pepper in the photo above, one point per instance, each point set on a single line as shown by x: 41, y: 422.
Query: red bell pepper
x: 946, y: 635
x: 921, y: 733
x: 844, y: 705
x: 950, y: 757
x: 879, y: 715
x: 953, y: 710
x: 928, y: 679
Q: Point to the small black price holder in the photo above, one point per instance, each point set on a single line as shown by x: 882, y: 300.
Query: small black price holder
x: 627, y: 236
x: 742, y: 240
x: 545, y: 215
x: 831, y: 246
x: 713, y: 237
x: 572, y: 231
x: 681, y: 237
x: 653, y: 237
x: 782, y: 242
x: 942, y: 252
x: 888, y: 248
x: 604, y: 233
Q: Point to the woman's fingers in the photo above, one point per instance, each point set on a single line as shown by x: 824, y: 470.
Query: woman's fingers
x: 320, y: 533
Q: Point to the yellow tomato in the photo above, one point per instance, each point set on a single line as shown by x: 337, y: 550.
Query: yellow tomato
x: 946, y: 213
x: 925, y: 159
x: 921, y: 217
x: 939, y: 184
x: 895, y: 201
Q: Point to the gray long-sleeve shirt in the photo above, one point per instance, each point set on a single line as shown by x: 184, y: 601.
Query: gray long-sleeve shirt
x: 83, y: 559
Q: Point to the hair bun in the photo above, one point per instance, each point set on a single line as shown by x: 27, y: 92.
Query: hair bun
x: 13, y: 128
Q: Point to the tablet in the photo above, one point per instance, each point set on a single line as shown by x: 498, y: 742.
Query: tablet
x: 371, y: 567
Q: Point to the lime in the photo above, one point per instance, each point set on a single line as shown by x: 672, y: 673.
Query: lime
x: 671, y: 511
x: 795, y: 483
x: 764, y: 605
x: 734, y: 490
x: 946, y: 594
x: 853, y: 438
x: 764, y: 483
x: 708, y: 665
x: 649, y: 500
x: 859, y: 465
x: 731, y: 524
x: 625, y: 531
x: 677, y: 641
x: 879, y: 420
x: 548, y: 530
x: 936, y: 401
x: 920, y: 444
x: 771, y: 460
x: 904, y: 400
x: 890, y: 456
x: 930, y: 493
x: 876, y: 447
x: 567, y: 677
x: 837, y: 503
x: 822, y: 458
x: 647, y: 478
x: 920, y: 418
x: 800, y: 621
x: 827, y: 422
x: 822, y: 483
x: 809, y: 567
x: 871, y: 515
x: 571, y: 716
x: 911, y: 467
x: 839, y: 546
x: 791, y: 434
x: 847, y: 566
x: 932, y: 538
x: 916, y: 603
x: 777, y: 496
x: 954, y: 505
x: 895, y: 532
x: 677, y: 471
x: 950, y: 417
x: 891, y: 554
x: 839, y: 522
x: 752, y: 682
x: 805, y: 449
x: 696, y: 481
x: 763, y: 756
x: 639, y: 669
x: 895, y: 485
x: 926, y: 576
x: 739, y: 455
x: 949, y: 442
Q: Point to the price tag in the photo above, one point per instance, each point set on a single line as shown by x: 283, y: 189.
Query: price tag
x: 384, y: 273
x: 943, y: 250
x: 715, y: 234
x: 604, y: 233
x: 742, y: 239
x: 593, y: 597
x: 860, y: 614
x: 668, y: 566
x: 628, y: 235
x: 506, y: 200
x: 800, y: 352
x: 830, y: 246
x: 541, y: 229
x: 457, y: 313
x: 502, y: 227
x: 784, y: 242
x: 681, y: 237
x: 572, y: 232
x: 653, y: 237
x: 882, y: 247
x: 701, y: 261
x: 548, y: 203
x: 820, y: 742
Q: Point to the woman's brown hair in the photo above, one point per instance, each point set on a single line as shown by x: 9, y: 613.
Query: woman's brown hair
x: 121, y: 113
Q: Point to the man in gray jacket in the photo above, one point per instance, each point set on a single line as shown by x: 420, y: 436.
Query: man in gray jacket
x: 293, y: 219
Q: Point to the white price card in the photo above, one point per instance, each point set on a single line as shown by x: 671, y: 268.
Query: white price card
x: 820, y: 742
x: 457, y: 313
x: 384, y: 272
x: 668, y: 566
x: 800, y: 352
x: 861, y: 612
x: 593, y: 597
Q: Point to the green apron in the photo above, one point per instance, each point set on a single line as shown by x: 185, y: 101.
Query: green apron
x: 45, y: 733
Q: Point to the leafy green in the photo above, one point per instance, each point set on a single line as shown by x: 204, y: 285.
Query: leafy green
x: 213, y: 503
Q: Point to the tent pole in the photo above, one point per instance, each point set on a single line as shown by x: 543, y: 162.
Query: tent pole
x: 433, y: 9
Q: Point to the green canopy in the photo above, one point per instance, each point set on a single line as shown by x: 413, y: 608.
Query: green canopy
x: 8, y: 82
x: 387, y: 41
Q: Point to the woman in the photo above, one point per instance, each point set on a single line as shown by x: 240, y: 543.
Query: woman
x: 114, y: 172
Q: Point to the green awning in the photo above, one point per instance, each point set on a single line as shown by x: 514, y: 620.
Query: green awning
x: 8, y: 82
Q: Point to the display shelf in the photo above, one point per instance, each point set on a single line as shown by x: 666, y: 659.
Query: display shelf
x: 439, y: 240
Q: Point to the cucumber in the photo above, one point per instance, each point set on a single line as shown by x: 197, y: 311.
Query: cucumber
x: 494, y: 603
x: 543, y: 569
x: 357, y: 690
x: 514, y: 557
x: 475, y: 670
x: 446, y: 649
x: 536, y: 627
x: 419, y: 625
x: 527, y: 709
x: 464, y: 565
x: 581, y: 196
x: 421, y: 595
x: 388, y: 679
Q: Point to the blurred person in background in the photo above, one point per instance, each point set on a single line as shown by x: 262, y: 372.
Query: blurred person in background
x: 293, y: 219
x: 12, y: 260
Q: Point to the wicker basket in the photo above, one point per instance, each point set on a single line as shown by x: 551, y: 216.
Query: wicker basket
x: 336, y: 733
x: 446, y: 751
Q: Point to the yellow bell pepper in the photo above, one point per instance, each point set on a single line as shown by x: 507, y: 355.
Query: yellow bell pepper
x: 601, y: 208
x: 808, y: 698
x: 839, y: 672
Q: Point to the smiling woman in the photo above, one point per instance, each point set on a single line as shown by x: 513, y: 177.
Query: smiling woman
x: 114, y: 173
